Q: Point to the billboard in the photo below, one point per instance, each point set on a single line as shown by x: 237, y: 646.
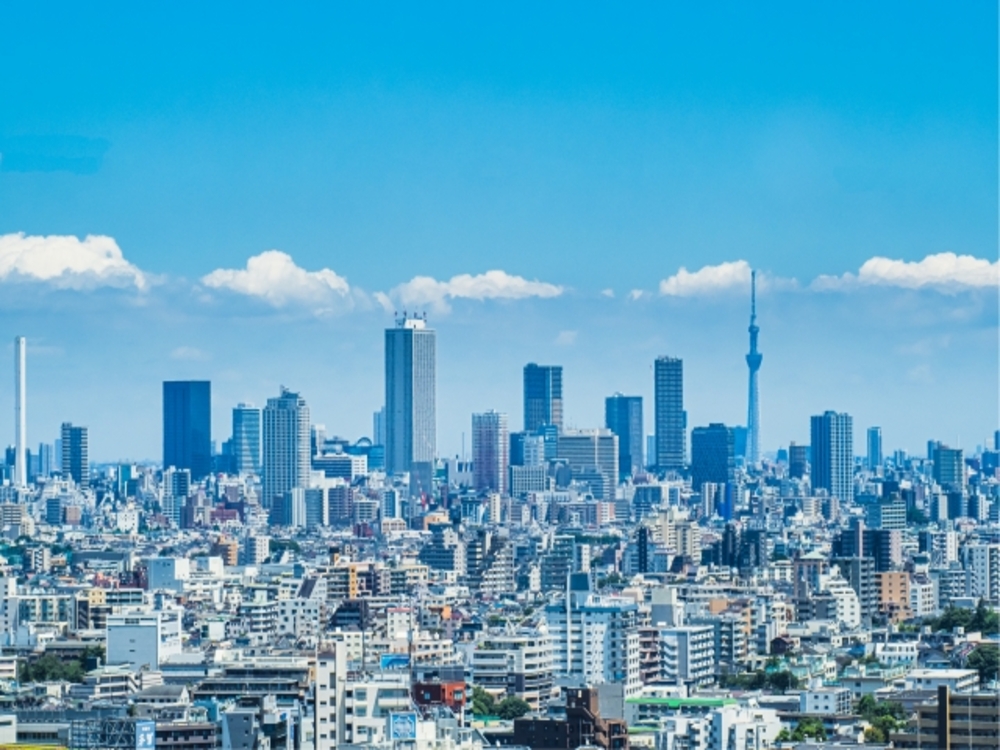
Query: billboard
x: 394, y: 661
x: 145, y: 735
x: 403, y: 726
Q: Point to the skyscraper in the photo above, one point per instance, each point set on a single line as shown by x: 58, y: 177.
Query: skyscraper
x: 410, y: 400
x: 75, y: 454
x: 286, y: 446
x: 671, y: 420
x: 833, y: 455
x: 712, y: 455
x: 623, y: 416
x: 543, y: 397
x: 490, y: 456
x: 754, y: 358
x: 246, y: 439
x: 187, y: 426
x: 20, y: 412
x: 874, y: 448
x: 592, y: 453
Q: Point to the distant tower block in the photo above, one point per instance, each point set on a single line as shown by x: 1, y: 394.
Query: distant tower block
x: 754, y: 358
x: 20, y: 413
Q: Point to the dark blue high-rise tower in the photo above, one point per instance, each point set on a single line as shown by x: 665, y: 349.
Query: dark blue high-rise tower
x: 754, y: 359
x: 187, y: 426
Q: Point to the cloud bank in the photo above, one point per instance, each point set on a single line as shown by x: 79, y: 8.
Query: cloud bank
x: 707, y: 280
x: 943, y: 271
x: 424, y: 290
x: 273, y: 277
x: 67, y: 262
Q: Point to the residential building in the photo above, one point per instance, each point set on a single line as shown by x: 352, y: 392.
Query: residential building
x: 410, y: 401
x: 669, y: 414
x: 833, y: 455
x: 75, y: 454
x: 246, y: 439
x: 286, y: 461
x: 490, y: 453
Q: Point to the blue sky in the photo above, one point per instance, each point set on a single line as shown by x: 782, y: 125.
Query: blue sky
x: 584, y: 151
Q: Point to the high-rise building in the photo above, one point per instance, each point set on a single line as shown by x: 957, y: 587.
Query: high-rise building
x: 833, y: 455
x: 543, y: 398
x: 798, y: 461
x: 949, y: 467
x: 246, y: 439
x: 874, y: 448
x: 592, y: 452
x: 754, y: 359
x: 410, y: 399
x: 187, y: 426
x: 378, y: 427
x: 75, y: 454
x: 490, y: 457
x: 623, y: 416
x: 20, y: 412
x: 712, y: 455
x: 286, y: 446
x: 671, y: 420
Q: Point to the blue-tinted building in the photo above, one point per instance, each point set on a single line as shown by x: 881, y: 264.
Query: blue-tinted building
x: 712, y: 455
x: 623, y: 416
x: 187, y: 426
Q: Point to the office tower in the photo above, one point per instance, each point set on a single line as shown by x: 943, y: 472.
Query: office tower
x: 378, y: 427
x: 20, y: 412
x: 410, y: 388
x: 286, y: 446
x: 833, y: 455
x: 45, y: 465
x: 874, y: 448
x: 590, y: 452
x: 798, y: 461
x: 671, y: 420
x: 75, y: 454
x: 949, y: 467
x: 246, y: 439
x: 490, y: 457
x: 623, y: 416
x: 187, y: 426
x: 543, y: 398
x: 754, y: 359
x: 712, y: 455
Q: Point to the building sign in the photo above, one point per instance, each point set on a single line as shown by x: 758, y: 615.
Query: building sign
x: 145, y: 735
x: 394, y: 661
x: 403, y: 726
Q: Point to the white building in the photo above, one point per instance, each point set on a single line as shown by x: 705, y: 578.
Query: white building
x: 595, y: 638
x: 143, y: 639
x: 729, y: 727
x: 826, y: 702
x: 982, y: 563
x: 848, y: 606
x: 329, y: 707
x: 168, y: 573
x: 300, y: 619
x: 515, y: 664
x: 687, y: 655
x: 957, y: 680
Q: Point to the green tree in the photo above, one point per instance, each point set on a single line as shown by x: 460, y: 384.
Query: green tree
x: 985, y: 659
x: 809, y: 728
x: 483, y: 704
x: 512, y: 707
x: 874, y: 735
x: 782, y: 681
x: 783, y: 736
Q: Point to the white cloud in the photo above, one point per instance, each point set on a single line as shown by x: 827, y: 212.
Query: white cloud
x: 944, y: 271
x: 424, y: 290
x: 707, y: 280
x: 566, y: 338
x: 67, y: 262
x: 637, y: 294
x: 274, y: 278
x: 189, y: 353
x: 609, y: 293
